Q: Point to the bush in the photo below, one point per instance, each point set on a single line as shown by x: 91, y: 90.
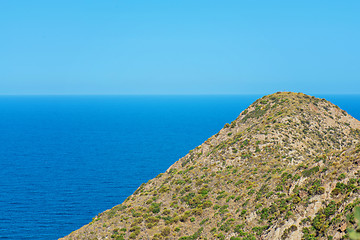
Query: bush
x: 341, y: 177
x: 151, y: 221
x: 207, y: 204
x: 165, y: 232
x: 204, y: 190
x: 311, y: 171
x: 355, y: 234
x: 155, y: 207
x: 134, y: 232
x: 166, y: 212
x: 133, y: 235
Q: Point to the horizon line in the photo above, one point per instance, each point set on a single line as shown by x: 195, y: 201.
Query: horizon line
x: 165, y: 94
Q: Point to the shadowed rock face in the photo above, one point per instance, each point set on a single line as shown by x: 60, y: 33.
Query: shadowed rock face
x: 286, y: 168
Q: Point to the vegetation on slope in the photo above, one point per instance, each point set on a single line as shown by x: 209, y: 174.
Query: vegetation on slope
x: 286, y: 168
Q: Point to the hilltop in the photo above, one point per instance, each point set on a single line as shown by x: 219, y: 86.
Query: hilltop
x: 286, y: 168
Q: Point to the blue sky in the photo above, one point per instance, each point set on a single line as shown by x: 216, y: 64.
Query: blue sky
x: 179, y: 47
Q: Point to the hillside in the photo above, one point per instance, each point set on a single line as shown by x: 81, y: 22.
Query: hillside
x: 286, y: 168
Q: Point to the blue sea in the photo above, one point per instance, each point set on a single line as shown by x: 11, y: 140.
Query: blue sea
x: 64, y: 159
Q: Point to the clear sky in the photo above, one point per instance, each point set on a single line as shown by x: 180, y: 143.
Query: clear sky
x: 179, y: 46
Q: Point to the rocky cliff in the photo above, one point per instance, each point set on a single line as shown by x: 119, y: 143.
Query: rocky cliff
x: 286, y: 168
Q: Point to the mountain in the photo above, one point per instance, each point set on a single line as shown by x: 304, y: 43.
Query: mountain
x: 286, y: 168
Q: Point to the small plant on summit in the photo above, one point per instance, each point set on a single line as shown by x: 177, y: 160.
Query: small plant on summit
x: 355, y: 234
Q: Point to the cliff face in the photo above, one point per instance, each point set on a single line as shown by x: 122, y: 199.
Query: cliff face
x: 286, y: 168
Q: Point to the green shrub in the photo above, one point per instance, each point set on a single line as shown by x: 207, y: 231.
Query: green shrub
x: 355, y: 234
x: 165, y: 232
x: 204, y: 190
x: 166, y: 212
x: 311, y: 171
x: 204, y: 220
x: 207, y: 204
x: 155, y: 207
x: 133, y: 235
x: 134, y: 232
x: 342, y: 176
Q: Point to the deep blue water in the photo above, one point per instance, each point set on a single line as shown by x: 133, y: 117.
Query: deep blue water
x: 64, y: 159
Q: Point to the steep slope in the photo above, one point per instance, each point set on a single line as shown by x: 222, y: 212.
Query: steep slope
x: 286, y: 168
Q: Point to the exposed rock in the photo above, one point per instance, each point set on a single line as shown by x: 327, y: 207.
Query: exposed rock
x: 343, y: 227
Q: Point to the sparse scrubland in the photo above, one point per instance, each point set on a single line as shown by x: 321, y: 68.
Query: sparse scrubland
x: 287, y: 168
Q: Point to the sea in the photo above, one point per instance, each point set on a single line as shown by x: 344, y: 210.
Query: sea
x: 64, y: 159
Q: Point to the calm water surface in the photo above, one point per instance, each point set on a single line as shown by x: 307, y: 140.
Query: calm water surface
x: 65, y: 159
